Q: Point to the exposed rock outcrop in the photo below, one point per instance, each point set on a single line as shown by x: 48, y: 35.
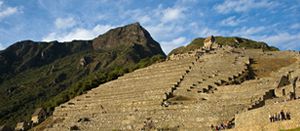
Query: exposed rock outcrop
x: 133, y: 34
x: 85, y: 60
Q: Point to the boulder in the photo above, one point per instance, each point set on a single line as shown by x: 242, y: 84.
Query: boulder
x: 85, y: 61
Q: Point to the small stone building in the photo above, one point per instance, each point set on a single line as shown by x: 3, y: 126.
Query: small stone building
x: 286, y: 91
x: 288, y: 87
x: 22, y: 126
x: 208, y: 42
x: 296, y: 85
x: 38, y: 116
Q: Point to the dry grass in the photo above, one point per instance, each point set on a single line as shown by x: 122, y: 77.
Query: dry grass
x: 263, y: 67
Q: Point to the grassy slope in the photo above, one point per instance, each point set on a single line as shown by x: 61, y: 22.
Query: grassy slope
x: 263, y: 68
x: 52, y: 84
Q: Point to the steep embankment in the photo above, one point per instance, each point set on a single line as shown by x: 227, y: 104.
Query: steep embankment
x: 35, y: 74
x: 229, y: 41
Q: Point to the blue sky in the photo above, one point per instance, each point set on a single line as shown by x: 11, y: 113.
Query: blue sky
x: 172, y: 23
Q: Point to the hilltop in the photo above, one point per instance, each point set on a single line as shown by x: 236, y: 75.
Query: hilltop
x: 237, y: 42
x: 45, y: 74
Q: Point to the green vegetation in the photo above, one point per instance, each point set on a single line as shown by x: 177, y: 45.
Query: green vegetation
x: 296, y: 129
x: 96, y: 79
x: 229, y: 41
x: 52, y: 84
x: 34, y: 75
x: 46, y: 74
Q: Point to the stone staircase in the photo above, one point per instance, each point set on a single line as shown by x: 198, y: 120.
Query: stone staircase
x: 206, y: 74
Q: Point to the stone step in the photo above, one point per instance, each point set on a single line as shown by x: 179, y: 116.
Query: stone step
x: 155, y: 74
x: 158, y: 97
x: 165, y: 88
x: 152, y: 72
x: 150, y: 78
x: 125, y: 99
x: 118, y: 91
x: 162, y: 114
x: 123, y: 124
x: 138, y: 84
x: 168, y: 64
x: 108, y: 108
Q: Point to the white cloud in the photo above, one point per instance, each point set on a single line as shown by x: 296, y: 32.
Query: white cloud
x: 170, y: 45
x: 244, y: 5
x: 1, y: 45
x: 186, y: 2
x: 204, y: 31
x: 248, y: 31
x: 231, y: 21
x: 144, y: 19
x: 283, y: 40
x: 64, y: 23
x: 208, y: 32
x: 165, y: 24
x: 102, y: 16
x: 145, y: 16
x: 7, y: 11
x: 171, y: 14
x: 295, y: 26
x: 78, y: 33
x: 163, y: 31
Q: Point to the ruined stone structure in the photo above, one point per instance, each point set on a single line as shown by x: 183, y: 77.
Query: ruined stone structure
x: 208, y: 42
x: 38, y: 116
x: 22, y: 126
x: 188, y: 92
x: 288, y: 85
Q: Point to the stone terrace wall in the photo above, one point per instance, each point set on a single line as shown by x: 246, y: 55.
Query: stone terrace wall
x: 213, y: 83
x: 258, y: 119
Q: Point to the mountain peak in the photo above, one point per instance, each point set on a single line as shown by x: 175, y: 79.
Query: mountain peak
x: 129, y: 35
x: 135, y: 24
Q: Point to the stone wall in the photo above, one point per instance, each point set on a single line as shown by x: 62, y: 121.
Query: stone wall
x: 285, y: 91
x: 258, y: 119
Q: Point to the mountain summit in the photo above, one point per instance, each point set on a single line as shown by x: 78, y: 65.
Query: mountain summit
x: 45, y: 74
x: 130, y: 35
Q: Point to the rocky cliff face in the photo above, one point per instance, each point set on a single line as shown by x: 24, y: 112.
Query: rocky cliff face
x: 134, y: 35
x: 34, y: 74
x: 28, y: 54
